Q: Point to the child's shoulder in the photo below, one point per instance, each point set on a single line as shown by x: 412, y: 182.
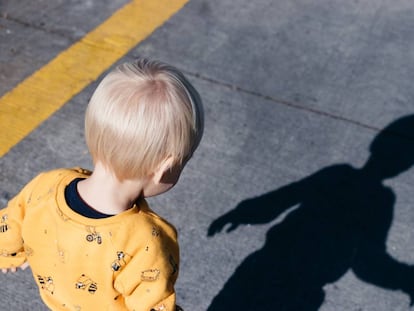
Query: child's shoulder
x: 55, y: 176
x: 60, y: 173
x: 154, y: 222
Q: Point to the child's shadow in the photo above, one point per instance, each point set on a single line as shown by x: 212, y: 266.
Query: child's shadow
x: 341, y: 222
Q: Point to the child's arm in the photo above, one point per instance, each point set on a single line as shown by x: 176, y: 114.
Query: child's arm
x: 147, y: 288
x: 12, y: 254
x: 147, y: 281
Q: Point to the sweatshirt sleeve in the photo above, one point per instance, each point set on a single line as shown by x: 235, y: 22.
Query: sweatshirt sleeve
x: 12, y: 252
x: 147, y: 282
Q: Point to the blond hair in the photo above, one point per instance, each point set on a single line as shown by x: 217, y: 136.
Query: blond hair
x: 140, y: 114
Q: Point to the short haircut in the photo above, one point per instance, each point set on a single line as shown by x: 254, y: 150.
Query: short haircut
x: 140, y: 114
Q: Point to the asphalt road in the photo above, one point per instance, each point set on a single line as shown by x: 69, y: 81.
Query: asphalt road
x: 299, y: 159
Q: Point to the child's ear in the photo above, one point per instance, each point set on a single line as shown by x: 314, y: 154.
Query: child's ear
x: 166, y: 165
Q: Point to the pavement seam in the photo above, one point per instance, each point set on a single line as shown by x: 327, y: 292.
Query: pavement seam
x: 287, y: 103
x: 36, y: 27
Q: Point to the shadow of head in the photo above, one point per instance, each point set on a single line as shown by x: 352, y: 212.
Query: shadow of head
x: 392, y: 150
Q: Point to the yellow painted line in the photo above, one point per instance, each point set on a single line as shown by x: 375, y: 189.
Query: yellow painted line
x: 43, y: 93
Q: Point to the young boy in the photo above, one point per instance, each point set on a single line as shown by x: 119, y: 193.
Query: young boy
x: 90, y: 238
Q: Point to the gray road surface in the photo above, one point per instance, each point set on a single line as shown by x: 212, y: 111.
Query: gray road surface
x: 295, y: 93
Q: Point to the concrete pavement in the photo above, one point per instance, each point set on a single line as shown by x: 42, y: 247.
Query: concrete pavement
x: 291, y: 89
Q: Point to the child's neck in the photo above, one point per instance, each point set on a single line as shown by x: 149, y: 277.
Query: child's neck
x: 106, y: 194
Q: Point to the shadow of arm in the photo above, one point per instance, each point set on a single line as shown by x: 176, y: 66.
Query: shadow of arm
x: 259, y: 210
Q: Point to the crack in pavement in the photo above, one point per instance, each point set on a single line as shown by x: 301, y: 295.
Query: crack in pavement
x: 287, y: 103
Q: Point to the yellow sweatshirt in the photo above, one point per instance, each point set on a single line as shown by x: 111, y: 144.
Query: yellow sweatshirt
x: 124, y: 262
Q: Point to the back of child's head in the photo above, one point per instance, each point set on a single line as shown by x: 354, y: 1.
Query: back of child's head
x: 140, y: 114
